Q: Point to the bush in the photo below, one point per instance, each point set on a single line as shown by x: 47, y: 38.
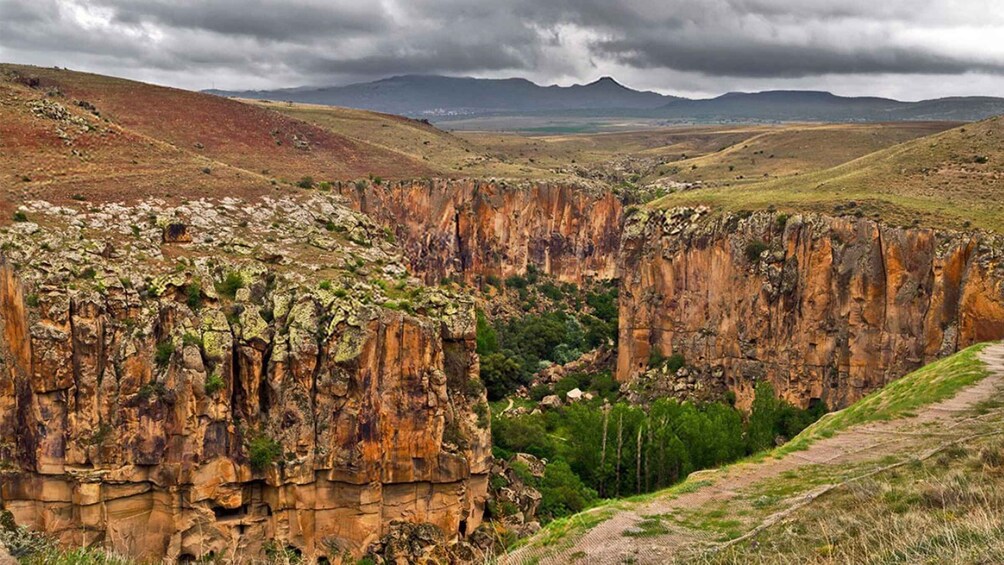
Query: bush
x: 563, y: 492
x: 754, y: 249
x: 517, y: 282
x: 675, y: 362
x: 165, y: 350
x: 214, y: 383
x: 193, y: 293
x: 263, y: 451
x: 306, y: 182
x: 231, y: 283
x: 487, y: 337
x: 551, y: 291
x: 539, y: 391
x: 501, y: 375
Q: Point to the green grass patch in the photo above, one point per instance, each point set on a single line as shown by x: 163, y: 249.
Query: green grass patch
x: 930, y: 384
x: 650, y: 526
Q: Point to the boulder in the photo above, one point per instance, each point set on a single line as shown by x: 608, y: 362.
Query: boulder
x: 550, y: 401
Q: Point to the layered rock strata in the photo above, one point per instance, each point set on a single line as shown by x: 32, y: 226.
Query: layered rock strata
x: 826, y: 308
x: 220, y: 396
x: 468, y: 229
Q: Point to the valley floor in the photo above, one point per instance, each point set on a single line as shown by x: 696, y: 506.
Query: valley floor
x: 912, y: 484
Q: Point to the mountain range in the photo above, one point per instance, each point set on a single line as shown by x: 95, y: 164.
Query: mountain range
x: 442, y: 98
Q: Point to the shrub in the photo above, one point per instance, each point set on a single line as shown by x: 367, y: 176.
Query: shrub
x: 754, y: 249
x: 193, y: 292
x: 165, y: 350
x: 151, y: 389
x: 539, y: 391
x: 481, y: 411
x: 263, y: 451
x: 563, y: 492
x: 501, y: 375
x: 214, y: 383
x: 191, y: 339
x: 306, y: 182
x: 551, y: 291
x: 487, y: 336
x: 675, y: 362
x: 516, y: 282
x: 231, y: 283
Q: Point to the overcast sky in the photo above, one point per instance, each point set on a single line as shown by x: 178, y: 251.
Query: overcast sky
x: 907, y: 49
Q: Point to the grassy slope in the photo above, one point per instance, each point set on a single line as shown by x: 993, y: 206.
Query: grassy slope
x: 942, y: 180
x: 554, y: 156
x: 795, y: 149
x: 155, y: 140
x: 930, y: 384
x: 717, y: 521
x: 445, y: 154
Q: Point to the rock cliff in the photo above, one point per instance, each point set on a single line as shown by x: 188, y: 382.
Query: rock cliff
x: 214, y: 397
x: 826, y: 308
x: 469, y: 229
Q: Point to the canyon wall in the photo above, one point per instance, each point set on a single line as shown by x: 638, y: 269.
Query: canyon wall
x: 825, y: 308
x: 147, y: 410
x: 468, y: 229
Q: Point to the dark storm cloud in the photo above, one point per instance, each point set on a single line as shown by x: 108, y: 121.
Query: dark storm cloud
x: 762, y: 59
x: 284, y: 42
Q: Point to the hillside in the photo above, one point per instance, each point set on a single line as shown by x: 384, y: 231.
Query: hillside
x: 912, y: 473
x: 645, y: 155
x: 950, y: 179
x: 67, y: 133
x: 441, y: 96
x: 443, y: 153
x: 791, y: 150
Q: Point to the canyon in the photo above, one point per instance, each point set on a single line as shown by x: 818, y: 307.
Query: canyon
x: 470, y: 229
x: 145, y: 407
x: 827, y: 308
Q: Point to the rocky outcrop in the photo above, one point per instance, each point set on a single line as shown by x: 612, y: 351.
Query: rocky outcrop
x: 467, y: 229
x: 825, y: 308
x: 213, y: 402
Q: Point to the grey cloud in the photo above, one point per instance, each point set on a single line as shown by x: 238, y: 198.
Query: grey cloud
x: 284, y: 43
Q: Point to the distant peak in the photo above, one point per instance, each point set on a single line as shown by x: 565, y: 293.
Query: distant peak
x: 605, y: 80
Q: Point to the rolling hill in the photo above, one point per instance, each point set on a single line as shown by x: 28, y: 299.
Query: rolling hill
x: 68, y: 134
x: 950, y: 179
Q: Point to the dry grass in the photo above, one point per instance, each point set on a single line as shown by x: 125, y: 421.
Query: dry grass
x: 148, y: 140
x: 952, y: 179
x: 948, y: 509
x: 795, y: 150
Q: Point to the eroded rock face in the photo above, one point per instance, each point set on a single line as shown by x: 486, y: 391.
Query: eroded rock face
x: 144, y: 407
x: 469, y: 229
x: 825, y: 308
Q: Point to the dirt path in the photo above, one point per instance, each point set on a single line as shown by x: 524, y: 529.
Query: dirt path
x: 862, y: 449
